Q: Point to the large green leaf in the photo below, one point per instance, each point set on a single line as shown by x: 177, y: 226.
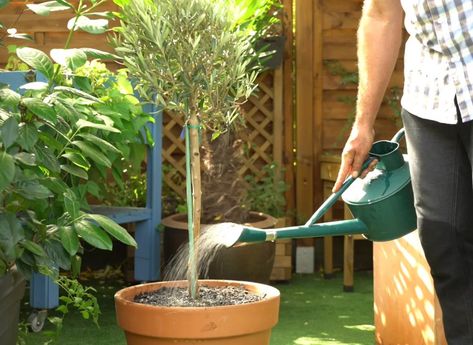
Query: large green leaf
x: 76, y: 171
x: 4, y: 3
x: 35, y: 85
x: 76, y: 158
x: 94, y: 154
x: 28, y: 136
x: 69, y: 239
x: 58, y: 254
x: 93, y: 235
x: 33, y: 247
x: 9, y: 132
x: 33, y: 190
x: 121, y: 3
x: 45, y: 8
x: 11, y: 232
x: 7, y: 170
x: 46, y: 158
x: 104, y: 145
x: 71, y: 58
x: 113, y: 229
x: 26, y: 158
x: 99, y: 54
x: 71, y: 204
x: 92, y: 26
x: 78, y: 93
x: 41, y: 109
x: 87, y: 124
x: 37, y: 60
x: 9, y: 98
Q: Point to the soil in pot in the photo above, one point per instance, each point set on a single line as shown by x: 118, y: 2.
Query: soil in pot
x: 208, y: 297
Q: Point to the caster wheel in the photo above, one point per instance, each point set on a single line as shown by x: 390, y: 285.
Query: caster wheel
x: 36, y: 320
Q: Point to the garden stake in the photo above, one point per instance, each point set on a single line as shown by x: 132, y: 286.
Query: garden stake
x: 192, y: 253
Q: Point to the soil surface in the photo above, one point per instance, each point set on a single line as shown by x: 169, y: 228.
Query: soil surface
x: 208, y: 297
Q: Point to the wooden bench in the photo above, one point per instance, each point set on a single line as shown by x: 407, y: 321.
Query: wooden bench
x: 44, y: 293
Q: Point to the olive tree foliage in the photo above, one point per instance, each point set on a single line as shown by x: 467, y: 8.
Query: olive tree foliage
x: 191, y: 55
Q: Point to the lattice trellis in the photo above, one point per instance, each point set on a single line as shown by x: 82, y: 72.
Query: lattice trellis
x: 260, y: 122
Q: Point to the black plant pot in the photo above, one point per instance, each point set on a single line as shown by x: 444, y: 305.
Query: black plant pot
x: 274, y: 45
x: 12, y: 290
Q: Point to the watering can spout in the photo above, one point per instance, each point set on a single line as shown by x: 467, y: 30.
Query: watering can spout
x: 383, y: 204
x: 344, y: 227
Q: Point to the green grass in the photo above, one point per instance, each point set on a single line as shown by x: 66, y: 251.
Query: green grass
x: 314, y: 311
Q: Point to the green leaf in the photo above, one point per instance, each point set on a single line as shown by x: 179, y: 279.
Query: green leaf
x: 9, y: 132
x: 36, y: 85
x: 46, y: 158
x: 78, y: 93
x: 69, y: 239
x: 11, y: 232
x: 71, y: 204
x: 4, y: 3
x: 121, y: 3
x: 105, y: 145
x: 76, y: 158
x: 26, y: 158
x: 58, y: 254
x: 92, y: 26
x: 71, y: 58
x: 99, y: 54
x: 87, y: 124
x: 94, y: 154
x: 33, y: 190
x: 41, y: 109
x: 45, y: 8
x: 37, y: 60
x: 76, y: 171
x: 33, y: 247
x: 9, y: 98
x: 28, y: 136
x: 7, y: 170
x: 113, y: 229
x: 93, y: 235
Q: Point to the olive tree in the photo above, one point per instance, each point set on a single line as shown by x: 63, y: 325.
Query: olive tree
x: 194, y: 59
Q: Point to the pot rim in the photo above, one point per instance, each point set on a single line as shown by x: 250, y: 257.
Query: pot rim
x: 124, y: 294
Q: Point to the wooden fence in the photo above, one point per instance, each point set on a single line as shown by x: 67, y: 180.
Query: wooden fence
x: 326, y: 74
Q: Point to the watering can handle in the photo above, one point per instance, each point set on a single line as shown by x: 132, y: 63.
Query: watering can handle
x: 334, y: 197
x: 399, y: 135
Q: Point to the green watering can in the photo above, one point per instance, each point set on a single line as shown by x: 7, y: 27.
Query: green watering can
x: 382, y: 203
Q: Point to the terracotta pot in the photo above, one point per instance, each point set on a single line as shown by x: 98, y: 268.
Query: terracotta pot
x: 250, y: 262
x: 245, y: 324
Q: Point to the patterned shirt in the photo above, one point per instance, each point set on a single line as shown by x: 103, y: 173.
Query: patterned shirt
x: 438, y: 62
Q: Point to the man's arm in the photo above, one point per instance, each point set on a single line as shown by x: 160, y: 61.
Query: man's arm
x: 379, y: 40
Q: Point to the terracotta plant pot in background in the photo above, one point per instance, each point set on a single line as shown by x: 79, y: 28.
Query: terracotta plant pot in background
x: 244, y: 324
x: 249, y: 262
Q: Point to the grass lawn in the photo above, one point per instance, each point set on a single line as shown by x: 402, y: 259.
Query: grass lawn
x: 314, y: 311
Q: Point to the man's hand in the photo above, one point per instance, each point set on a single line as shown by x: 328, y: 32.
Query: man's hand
x: 354, y: 154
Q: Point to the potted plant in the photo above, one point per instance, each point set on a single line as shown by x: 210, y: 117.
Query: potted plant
x: 193, y: 58
x: 53, y: 135
x: 264, y: 20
